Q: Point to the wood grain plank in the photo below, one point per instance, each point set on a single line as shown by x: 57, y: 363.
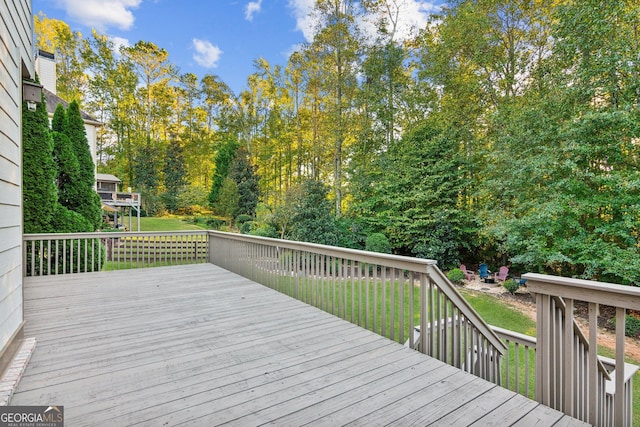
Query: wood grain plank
x: 198, y: 345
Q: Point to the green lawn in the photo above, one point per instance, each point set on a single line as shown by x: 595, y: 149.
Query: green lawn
x: 166, y: 224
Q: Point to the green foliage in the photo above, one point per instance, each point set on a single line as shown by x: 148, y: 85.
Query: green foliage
x: 248, y: 227
x: 146, y: 166
x: 416, y: 201
x: 67, y: 221
x: 266, y: 230
x: 631, y: 326
x: 456, y: 276
x: 68, y: 171
x: 241, y: 219
x: 39, y: 191
x: 228, y: 198
x: 311, y: 219
x: 511, y: 285
x: 174, y: 175
x: 79, y: 193
x: 378, y: 242
x: 59, y: 120
x: 215, y: 223
x: 244, y: 174
x: 224, y: 157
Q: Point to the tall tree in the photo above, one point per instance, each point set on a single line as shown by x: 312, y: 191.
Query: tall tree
x: 153, y: 67
x: 311, y: 218
x: 174, y: 175
x: 88, y: 203
x: 244, y: 174
x: 55, y: 36
x: 39, y: 192
x: 224, y: 157
x: 68, y: 168
x: 337, y: 46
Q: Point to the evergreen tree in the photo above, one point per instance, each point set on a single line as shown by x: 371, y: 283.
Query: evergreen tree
x: 68, y: 169
x: 86, y: 201
x: 244, y: 174
x: 174, y: 175
x: 224, y: 157
x: 146, y: 165
x: 311, y: 217
x: 39, y: 170
x: 227, y: 204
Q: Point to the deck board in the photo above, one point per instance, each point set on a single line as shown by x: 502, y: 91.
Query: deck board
x: 197, y: 345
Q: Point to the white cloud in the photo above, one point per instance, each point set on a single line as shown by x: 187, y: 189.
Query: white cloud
x: 119, y: 42
x: 102, y: 14
x: 207, y: 55
x: 412, y: 15
x: 305, y: 21
x: 252, y: 8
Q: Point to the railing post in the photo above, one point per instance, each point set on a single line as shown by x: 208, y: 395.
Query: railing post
x: 620, y: 366
x: 569, y: 362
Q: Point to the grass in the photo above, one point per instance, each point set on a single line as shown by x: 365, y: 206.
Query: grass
x: 497, y: 313
x: 166, y: 224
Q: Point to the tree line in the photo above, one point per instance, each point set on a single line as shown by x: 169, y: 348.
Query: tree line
x: 503, y: 131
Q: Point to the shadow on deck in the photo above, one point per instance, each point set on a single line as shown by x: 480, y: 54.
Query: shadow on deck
x: 199, y: 345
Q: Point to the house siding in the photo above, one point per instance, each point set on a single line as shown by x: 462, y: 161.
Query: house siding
x: 16, y: 62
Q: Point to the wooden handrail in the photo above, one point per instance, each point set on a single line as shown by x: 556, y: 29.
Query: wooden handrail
x: 272, y: 261
x: 561, y: 292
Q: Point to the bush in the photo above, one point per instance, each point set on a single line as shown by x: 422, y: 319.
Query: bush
x: 511, y: 286
x: 248, y: 227
x: 215, y: 223
x: 266, y: 230
x: 241, y: 219
x: 377, y: 242
x: 456, y: 276
x: 631, y: 326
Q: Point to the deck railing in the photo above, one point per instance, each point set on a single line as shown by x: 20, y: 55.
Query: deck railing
x: 64, y: 253
x: 570, y: 376
x: 397, y: 297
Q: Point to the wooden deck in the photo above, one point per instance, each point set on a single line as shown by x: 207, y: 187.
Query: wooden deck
x: 197, y: 345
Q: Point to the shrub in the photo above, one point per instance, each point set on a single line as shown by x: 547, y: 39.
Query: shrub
x: 241, y: 219
x: 511, y: 286
x: 266, y: 230
x: 377, y: 242
x: 631, y: 326
x: 456, y: 276
x: 214, y: 223
x: 247, y: 227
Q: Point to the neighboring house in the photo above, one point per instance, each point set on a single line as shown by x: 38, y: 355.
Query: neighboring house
x: 46, y: 68
x: 117, y: 202
x: 16, y: 64
x: 106, y: 183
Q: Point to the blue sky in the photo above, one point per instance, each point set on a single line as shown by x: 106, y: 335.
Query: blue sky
x: 221, y: 37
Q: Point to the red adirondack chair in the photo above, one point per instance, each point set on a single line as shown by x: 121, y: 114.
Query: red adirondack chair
x: 502, y: 273
x: 469, y: 275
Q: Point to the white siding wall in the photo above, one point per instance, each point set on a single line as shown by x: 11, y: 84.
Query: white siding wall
x: 16, y: 57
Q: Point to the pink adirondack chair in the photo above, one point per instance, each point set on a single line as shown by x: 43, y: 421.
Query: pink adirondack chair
x: 469, y: 275
x: 502, y: 274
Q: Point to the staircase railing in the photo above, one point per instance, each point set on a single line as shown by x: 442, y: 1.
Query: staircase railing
x: 570, y: 376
